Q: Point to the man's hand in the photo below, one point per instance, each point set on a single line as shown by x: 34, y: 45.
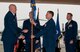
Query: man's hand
x: 32, y: 36
x: 37, y: 50
x: 21, y: 37
x: 24, y: 41
x: 25, y: 31
x: 71, y: 42
x: 37, y: 41
x: 32, y: 22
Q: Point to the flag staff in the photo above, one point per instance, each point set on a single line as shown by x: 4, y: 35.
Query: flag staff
x: 31, y: 39
x: 33, y: 6
x: 32, y: 28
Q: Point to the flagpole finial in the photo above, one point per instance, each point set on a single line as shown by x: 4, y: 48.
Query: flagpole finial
x: 38, y: 9
x: 57, y: 10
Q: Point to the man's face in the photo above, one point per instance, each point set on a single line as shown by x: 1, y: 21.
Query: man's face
x: 69, y: 17
x: 13, y: 9
x: 30, y: 15
x: 48, y: 15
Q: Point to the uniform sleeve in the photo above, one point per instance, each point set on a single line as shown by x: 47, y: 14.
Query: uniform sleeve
x: 11, y: 24
x: 19, y: 30
x: 75, y: 30
x: 42, y: 31
x: 25, y: 26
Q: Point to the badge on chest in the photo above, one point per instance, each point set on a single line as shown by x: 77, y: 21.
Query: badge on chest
x: 70, y: 25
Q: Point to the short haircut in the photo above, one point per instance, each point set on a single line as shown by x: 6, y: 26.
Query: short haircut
x: 51, y: 12
x: 70, y: 14
x: 12, y: 5
x: 31, y: 12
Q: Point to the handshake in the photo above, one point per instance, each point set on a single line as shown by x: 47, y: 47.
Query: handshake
x: 22, y: 36
x: 25, y: 31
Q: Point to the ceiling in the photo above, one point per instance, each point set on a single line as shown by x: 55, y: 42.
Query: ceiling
x: 77, y: 2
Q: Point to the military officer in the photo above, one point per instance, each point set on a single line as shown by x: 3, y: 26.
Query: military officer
x: 71, y: 31
x: 49, y: 33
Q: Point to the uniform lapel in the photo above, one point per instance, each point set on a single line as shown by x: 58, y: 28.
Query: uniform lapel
x: 47, y: 22
x: 68, y: 24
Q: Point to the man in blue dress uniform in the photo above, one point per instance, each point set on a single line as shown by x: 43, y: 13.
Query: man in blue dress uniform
x: 71, y: 31
x: 49, y: 33
x: 11, y: 30
x: 27, y: 25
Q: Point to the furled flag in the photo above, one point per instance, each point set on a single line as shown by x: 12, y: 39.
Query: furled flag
x: 58, y: 32
x: 33, y: 6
